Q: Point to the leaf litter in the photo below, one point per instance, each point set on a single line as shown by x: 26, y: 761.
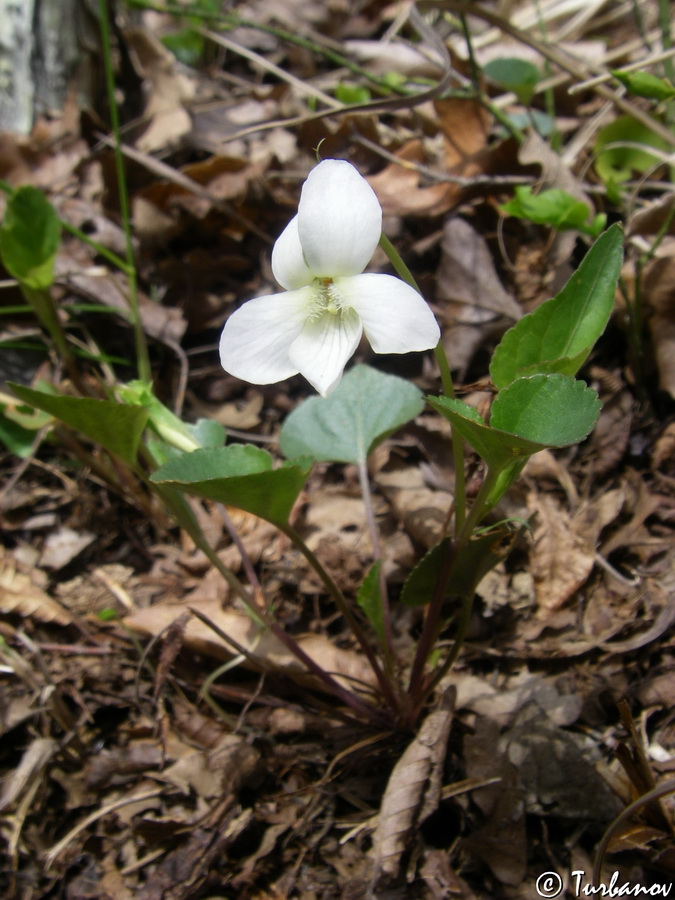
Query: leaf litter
x: 147, y: 753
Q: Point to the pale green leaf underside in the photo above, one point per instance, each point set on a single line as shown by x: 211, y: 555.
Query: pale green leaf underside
x: 365, y: 408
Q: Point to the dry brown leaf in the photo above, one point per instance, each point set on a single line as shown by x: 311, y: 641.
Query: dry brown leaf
x: 500, y: 842
x: 609, y: 440
x: 561, y: 559
x: 651, y: 218
x: 224, y: 769
x: 397, y: 186
x: 413, y: 790
x: 34, y: 759
x: 122, y: 764
x: 658, y: 297
x: 62, y: 546
x: 231, y: 415
x: 421, y: 510
x: 466, y: 127
x: 663, y: 455
x: 564, y: 549
x: 475, y: 305
x: 167, y: 91
x: 20, y: 594
x: 348, y: 667
x: 556, y: 769
x: 163, y: 323
x: 500, y: 705
x: 642, y: 505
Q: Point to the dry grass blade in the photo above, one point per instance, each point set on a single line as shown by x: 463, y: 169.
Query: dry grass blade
x: 51, y: 855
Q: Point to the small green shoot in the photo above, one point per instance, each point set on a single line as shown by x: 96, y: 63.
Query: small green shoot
x: 556, y: 208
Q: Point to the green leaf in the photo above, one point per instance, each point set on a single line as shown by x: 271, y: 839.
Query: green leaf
x: 555, y: 207
x: 559, y: 334
x: 17, y: 439
x: 542, y: 123
x: 622, y: 148
x: 208, y: 433
x: 29, y: 238
x: 514, y: 74
x: 481, y: 554
x: 350, y: 94
x: 532, y: 414
x: 552, y: 410
x: 499, y: 449
x: 116, y: 426
x: 166, y: 424
x: 369, y: 599
x: 187, y: 45
x: 644, y: 84
x: 365, y: 408
x: 240, y: 476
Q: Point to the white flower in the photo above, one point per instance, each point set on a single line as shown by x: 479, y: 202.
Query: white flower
x: 315, y: 325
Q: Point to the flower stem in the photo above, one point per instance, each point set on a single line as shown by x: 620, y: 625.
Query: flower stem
x: 417, y: 689
x: 348, y: 615
x: 377, y: 556
x: 446, y: 380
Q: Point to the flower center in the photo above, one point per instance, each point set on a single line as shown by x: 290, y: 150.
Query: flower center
x: 326, y: 299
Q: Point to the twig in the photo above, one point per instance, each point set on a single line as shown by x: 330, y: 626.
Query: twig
x: 303, y: 87
x: 439, y: 177
x: 564, y: 60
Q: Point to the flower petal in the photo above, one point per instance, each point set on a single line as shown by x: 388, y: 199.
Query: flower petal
x: 256, y: 338
x: 396, y: 319
x: 339, y: 220
x: 288, y: 262
x: 321, y: 351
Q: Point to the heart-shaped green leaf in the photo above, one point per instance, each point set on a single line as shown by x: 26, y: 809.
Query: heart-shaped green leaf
x: 514, y: 74
x: 550, y: 410
x: 532, y: 414
x: 29, y: 238
x: 497, y: 448
x: 365, y: 408
x: 241, y: 476
x: 559, y: 334
x: 116, y: 426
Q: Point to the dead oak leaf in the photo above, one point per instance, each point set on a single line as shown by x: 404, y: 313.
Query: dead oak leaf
x: 475, y: 306
x: 413, y: 790
x: 19, y: 593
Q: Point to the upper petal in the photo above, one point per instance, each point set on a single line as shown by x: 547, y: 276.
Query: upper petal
x: 396, y: 319
x: 256, y: 338
x: 323, y: 348
x: 339, y: 220
x: 288, y: 262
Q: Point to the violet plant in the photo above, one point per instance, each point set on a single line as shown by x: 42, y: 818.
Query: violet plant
x: 313, y: 327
